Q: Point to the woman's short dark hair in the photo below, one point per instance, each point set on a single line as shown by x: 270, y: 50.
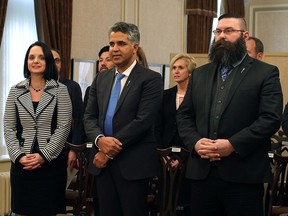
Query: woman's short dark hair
x: 50, y: 70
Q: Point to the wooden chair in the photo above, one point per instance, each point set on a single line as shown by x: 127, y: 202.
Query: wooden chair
x: 278, y: 190
x: 77, y: 192
x: 172, y: 178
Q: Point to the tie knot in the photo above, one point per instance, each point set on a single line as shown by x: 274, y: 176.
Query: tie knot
x: 227, y: 67
x: 120, y: 76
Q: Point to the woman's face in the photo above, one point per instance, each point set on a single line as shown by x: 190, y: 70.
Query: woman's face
x: 180, y: 71
x: 36, y: 60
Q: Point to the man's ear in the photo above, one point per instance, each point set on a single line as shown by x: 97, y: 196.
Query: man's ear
x: 260, y: 55
x: 246, y: 35
x: 135, y: 46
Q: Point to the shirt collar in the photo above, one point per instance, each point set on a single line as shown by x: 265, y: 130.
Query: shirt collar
x: 128, y: 70
x: 239, y: 62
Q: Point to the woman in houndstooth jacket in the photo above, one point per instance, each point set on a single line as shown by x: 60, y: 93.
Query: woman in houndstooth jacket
x: 37, y: 122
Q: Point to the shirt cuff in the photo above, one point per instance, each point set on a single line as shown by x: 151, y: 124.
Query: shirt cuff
x: 96, y: 140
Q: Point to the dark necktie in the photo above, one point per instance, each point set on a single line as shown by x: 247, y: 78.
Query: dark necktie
x: 108, y: 126
x: 225, y: 71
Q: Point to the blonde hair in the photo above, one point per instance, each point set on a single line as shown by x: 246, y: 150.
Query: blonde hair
x: 190, y: 61
x: 142, y: 57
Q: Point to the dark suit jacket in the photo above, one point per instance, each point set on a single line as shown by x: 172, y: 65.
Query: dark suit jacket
x: 133, y: 122
x: 285, y: 120
x: 75, y: 93
x: 166, y: 126
x: 252, y: 114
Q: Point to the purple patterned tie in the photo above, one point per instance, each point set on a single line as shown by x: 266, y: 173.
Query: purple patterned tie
x: 225, y: 71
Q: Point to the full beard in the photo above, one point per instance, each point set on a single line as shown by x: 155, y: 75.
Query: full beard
x: 227, y: 53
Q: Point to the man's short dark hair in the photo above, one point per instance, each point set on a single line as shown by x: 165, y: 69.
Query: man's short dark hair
x: 104, y: 49
x: 236, y: 16
x: 259, y: 45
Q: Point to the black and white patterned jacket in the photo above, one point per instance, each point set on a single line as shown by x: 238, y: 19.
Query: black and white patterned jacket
x: 50, y: 124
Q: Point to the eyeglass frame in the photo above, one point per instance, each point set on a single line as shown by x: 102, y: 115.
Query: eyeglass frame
x: 226, y: 31
x: 57, y: 60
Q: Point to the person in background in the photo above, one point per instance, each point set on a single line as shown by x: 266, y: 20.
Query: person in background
x: 255, y: 48
x: 124, y: 144
x: 75, y: 93
x: 104, y: 64
x: 181, y: 67
x: 141, y: 57
x: 37, y: 122
x: 231, y: 108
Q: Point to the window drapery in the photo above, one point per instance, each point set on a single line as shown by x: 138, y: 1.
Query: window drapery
x: 18, y: 34
x: 200, y: 20
x: 54, y: 27
x: 3, y: 9
x: 234, y: 6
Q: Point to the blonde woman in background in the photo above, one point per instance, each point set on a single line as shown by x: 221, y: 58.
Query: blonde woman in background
x: 181, y: 67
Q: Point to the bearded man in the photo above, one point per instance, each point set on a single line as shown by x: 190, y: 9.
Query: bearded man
x: 232, y: 107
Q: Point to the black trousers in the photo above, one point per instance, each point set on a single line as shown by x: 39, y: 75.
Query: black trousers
x: 214, y: 196
x: 119, y: 196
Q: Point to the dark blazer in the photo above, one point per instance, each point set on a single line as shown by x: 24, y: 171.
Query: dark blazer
x: 133, y: 122
x: 166, y: 126
x: 285, y: 120
x: 251, y: 115
x: 75, y: 93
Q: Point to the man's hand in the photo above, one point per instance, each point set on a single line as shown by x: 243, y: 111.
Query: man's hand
x: 72, y: 159
x: 100, y: 160
x: 213, y: 149
x: 109, y: 146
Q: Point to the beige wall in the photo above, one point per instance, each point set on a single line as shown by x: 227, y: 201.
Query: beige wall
x: 5, y: 165
x: 161, y: 26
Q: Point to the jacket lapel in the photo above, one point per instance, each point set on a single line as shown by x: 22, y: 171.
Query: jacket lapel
x: 25, y: 100
x: 209, y: 88
x: 108, y: 87
x: 129, y: 82
x: 241, y: 72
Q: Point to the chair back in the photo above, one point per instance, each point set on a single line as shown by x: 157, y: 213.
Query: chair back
x: 277, y: 196
x: 172, y: 177
x: 278, y: 190
x: 77, y: 192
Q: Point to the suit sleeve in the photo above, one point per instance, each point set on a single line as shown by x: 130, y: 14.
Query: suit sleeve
x: 285, y: 120
x: 77, y: 114
x: 91, y: 114
x: 269, y: 116
x: 186, y: 119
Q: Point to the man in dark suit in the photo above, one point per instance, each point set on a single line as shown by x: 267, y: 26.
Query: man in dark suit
x: 226, y: 120
x: 125, y: 147
x: 75, y: 93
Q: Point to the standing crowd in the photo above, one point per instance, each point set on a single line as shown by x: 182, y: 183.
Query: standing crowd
x: 223, y: 112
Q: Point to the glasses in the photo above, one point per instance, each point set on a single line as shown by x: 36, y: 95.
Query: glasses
x: 57, y: 60
x: 227, y: 31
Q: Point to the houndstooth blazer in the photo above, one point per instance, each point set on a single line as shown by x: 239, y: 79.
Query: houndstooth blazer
x: 22, y: 126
